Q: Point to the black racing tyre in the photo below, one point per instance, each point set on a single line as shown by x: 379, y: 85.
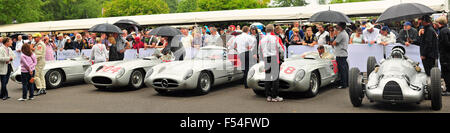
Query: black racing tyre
x: 100, y: 87
x: 435, y: 89
x: 204, y: 83
x: 54, y: 78
x: 259, y: 93
x: 371, y: 63
x: 137, y: 79
x: 355, y: 87
x: 313, y: 85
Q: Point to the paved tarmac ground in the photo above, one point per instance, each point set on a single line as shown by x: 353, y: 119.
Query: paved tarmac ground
x: 230, y: 98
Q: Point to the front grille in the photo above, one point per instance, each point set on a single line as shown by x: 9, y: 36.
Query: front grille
x: 19, y: 78
x: 101, y: 80
x: 392, y: 91
x: 283, y: 84
x: 165, y: 83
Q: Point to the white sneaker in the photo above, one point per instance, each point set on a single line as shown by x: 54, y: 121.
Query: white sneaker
x: 30, y: 98
x: 269, y: 99
x: 278, y: 99
x: 21, y: 99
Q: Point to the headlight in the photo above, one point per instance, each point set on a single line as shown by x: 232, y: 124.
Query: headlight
x: 251, y: 73
x: 120, y: 73
x: 88, y: 71
x: 189, y: 74
x: 300, y: 74
x: 149, y: 73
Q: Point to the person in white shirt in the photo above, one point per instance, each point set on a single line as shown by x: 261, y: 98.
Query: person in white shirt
x: 370, y: 34
x: 321, y: 35
x: 386, y: 37
x: 214, y: 39
x: 271, y: 47
x: 244, y: 44
x: 187, y: 39
x: 99, y: 53
x: 19, y: 43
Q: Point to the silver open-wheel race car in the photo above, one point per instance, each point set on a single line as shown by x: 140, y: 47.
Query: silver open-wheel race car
x: 208, y: 68
x: 302, y: 74
x: 60, y: 71
x: 396, y: 80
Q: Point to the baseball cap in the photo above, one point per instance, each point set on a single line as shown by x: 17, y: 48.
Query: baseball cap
x: 385, y: 28
x: 407, y: 23
x: 37, y: 35
x: 369, y: 26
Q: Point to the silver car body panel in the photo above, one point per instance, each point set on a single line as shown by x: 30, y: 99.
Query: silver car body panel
x: 73, y: 69
x: 406, y: 84
x: 174, y: 74
x: 326, y: 68
x: 108, y: 73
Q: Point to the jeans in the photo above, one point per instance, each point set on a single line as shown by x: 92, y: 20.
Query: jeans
x: 343, y: 70
x: 245, y: 58
x: 4, y: 80
x: 26, y: 85
x: 271, y: 83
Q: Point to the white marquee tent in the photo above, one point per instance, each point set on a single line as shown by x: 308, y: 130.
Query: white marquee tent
x: 285, y: 13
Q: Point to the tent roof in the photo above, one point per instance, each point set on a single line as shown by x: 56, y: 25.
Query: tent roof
x: 283, y: 13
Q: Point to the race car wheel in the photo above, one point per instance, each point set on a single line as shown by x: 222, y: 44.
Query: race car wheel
x: 54, y: 78
x: 313, y: 85
x: 435, y: 89
x: 371, y: 63
x: 259, y: 93
x: 136, y: 79
x: 356, y: 92
x: 100, y: 87
x: 204, y: 83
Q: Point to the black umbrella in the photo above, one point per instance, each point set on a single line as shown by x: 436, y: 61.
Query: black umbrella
x: 404, y: 11
x: 105, y: 28
x: 165, y: 31
x: 126, y: 23
x: 329, y: 17
x: 24, y: 36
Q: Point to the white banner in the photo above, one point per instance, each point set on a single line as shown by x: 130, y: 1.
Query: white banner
x: 86, y: 52
x: 16, y: 61
x: 358, y: 53
x: 130, y: 54
x: 66, y: 54
x: 145, y: 53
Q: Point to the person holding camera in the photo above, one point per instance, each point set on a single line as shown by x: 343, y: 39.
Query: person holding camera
x: 49, y: 49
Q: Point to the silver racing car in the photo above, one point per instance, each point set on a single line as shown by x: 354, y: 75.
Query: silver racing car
x: 120, y: 73
x: 60, y: 71
x: 209, y: 67
x: 396, y: 80
x: 302, y: 73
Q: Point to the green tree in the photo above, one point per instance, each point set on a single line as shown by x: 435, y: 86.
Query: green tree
x: 20, y: 10
x: 173, y: 4
x: 214, y: 5
x: 134, y: 7
x: 187, y: 6
x: 348, y: 1
x: 289, y: 3
x: 71, y: 9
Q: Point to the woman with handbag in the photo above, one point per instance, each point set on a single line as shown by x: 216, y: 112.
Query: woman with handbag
x: 28, y: 63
